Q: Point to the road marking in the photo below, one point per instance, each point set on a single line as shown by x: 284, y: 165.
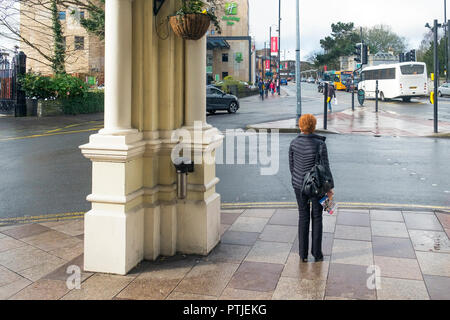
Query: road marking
x: 44, y: 216
x: 341, y: 204
x: 49, y: 134
x: 245, y: 205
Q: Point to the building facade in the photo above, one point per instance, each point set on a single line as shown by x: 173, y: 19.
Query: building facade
x: 349, y: 63
x: 85, y: 55
x: 230, y: 57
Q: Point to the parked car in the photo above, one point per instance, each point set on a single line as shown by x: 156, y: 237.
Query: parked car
x: 310, y: 80
x: 284, y: 82
x: 444, y: 90
x: 216, y: 99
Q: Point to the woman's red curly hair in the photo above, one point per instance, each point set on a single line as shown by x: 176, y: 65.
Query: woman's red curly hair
x: 307, y: 123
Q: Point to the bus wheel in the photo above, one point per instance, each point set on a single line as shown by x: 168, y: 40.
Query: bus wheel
x: 406, y: 99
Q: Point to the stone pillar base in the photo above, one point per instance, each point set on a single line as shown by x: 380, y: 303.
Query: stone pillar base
x: 114, y: 228
x: 113, y: 242
x: 198, y: 225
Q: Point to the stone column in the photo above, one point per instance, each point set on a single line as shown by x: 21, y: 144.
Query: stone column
x: 114, y: 227
x: 195, y: 82
x: 118, y: 59
x: 199, y: 215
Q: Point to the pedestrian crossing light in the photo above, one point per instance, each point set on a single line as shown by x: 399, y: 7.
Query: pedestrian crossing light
x: 365, y: 54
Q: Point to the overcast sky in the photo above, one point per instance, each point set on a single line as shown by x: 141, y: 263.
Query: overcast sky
x: 406, y: 17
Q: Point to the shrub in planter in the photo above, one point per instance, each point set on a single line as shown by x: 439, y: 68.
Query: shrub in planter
x: 90, y: 102
x: 46, y: 87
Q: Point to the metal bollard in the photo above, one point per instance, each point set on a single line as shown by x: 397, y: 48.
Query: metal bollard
x: 325, y: 106
x: 376, y: 96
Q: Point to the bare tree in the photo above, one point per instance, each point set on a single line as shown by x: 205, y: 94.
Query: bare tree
x: 29, y: 22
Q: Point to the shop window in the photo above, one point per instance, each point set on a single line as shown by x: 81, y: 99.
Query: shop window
x: 79, y: 43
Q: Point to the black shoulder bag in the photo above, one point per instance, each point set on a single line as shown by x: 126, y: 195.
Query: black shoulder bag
x: 318, y: 181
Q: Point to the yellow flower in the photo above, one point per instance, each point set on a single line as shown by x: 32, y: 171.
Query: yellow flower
x: 204, y: 11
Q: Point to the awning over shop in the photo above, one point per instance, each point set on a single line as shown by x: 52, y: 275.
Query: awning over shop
x: 212, y: 44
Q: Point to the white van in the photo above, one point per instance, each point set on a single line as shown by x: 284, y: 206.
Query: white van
x: 404, y: 80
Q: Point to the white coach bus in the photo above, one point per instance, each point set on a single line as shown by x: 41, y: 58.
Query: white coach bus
x: 398, y: 80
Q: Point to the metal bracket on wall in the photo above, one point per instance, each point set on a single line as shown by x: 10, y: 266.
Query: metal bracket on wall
x: 157, y: 4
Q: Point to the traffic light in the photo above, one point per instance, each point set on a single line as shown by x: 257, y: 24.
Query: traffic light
x: 412, y: 55
x: 357, y: 52
x: 401, y: 57
x: 365, y: 54
x: 408, y: 56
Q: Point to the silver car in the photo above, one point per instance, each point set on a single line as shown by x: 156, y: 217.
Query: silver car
x: 444, y: 90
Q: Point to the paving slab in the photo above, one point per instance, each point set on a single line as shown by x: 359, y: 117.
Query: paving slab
x: 349, y: 282
x: 43, y: 289
x: 278, y: 233
x: 258, y: 213
x: 386, y: 215
x: 299, y: 289
x: 353, y: 219
x: 352, y: 233
x: 393, y: 247
x: 438, y: 287
x: 249, y: 224
x: 270, y: 252
x: 389, y: 229
x: 310, y: 270
x: 435, y: 241
x: 402, y: 289
x: 228, y: 253
x: 422, y: 221
x: 352, y: 252
x: 256, y: 276
x: 240, y: 237
x: 207, y: 278
x: 238, y: 294
x: 398, y: 268
x: 99, y: 287
x: 434, y: 264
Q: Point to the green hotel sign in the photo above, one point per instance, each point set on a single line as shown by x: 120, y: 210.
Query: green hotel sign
x: 230, y: 11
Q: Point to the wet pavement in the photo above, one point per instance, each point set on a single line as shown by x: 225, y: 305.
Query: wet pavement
x: 369, y: 254
x: 365, y: 121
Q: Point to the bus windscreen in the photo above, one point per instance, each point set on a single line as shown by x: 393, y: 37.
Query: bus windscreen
x: 412, y: 69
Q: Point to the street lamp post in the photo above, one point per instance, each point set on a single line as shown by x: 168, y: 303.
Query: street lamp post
x: 297, y: 64
x: 436, y: 75
x: 436, y: 71
x: 279, y: 46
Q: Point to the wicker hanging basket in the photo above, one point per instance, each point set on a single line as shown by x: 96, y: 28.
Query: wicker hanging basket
x: 192, y: 26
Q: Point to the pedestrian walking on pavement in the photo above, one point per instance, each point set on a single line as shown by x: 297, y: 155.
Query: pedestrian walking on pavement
x: 261, y: 88
x: 302, y: 157
x: 331, y: 95
x: 266, y: 91
x: 272, y: 87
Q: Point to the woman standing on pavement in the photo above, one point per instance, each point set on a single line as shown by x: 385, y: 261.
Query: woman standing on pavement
x: 302, y: 155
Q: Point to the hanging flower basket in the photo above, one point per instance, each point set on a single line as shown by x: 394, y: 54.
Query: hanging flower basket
x: 190, y: 26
